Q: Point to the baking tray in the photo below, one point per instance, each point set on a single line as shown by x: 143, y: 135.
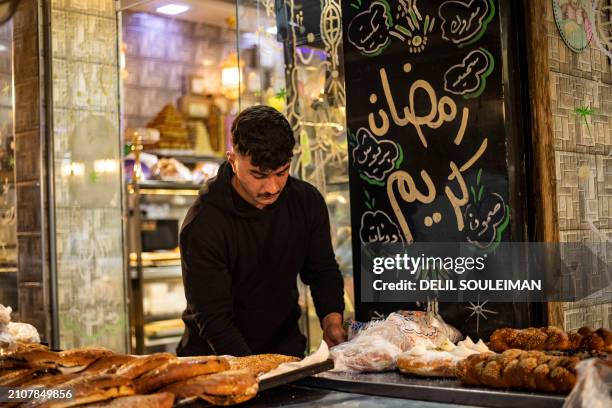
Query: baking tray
x: 394, y: 384
x: 275, y: 381
x: 296, y: 375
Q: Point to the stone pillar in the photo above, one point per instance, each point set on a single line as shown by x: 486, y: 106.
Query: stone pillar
x: 81, y: 285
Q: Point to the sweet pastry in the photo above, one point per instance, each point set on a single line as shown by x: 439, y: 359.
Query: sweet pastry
x: 108, y: 364
x: 76, y: 360
x: 35, y: 358
x: 224, y: 388
x: 533, y: 370
x: 551, y: 338
x: 87, y: 389
x: 141, y: 365
x: 178, y: 370
x: 260, y: 363
x: 14, y: 378
x: 172, y: 129
x: 426, y: 360
x: 159, y: 400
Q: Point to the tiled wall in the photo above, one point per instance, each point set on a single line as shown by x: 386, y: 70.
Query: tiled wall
x: 30, y: 168
x: 583, y: 156
x: 161, y: 54
x: 88, y: 185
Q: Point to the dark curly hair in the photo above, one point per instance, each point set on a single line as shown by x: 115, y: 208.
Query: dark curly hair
x: 265, y: 135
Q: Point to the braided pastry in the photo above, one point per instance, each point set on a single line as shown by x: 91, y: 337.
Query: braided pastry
x: 531, y: 370
x: 551, y: 338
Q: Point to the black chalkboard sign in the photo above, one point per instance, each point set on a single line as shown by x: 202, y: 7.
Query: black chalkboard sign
x: 434, y: 135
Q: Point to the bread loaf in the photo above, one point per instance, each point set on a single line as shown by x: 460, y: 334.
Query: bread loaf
x: 514, y: 368
x: 178, y: 370
x: 551, y: 338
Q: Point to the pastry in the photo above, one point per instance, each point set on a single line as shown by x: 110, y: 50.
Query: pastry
x: 108, y: 363
x: 429, y: 361
x: 159, y: 400
x: 14, y: 378
x: 178, y: 370
x: 260, y: 363
x: 551, y: 338
x: 87, y: 389
x: 141, y: 365
x: 222, y: 388
x: 76, y: 360
x: 35, y: 358
x: 514, y: 368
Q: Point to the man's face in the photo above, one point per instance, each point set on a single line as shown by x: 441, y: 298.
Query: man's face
x: 259, y: 188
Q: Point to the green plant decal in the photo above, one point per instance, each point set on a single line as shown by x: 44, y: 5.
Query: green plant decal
x: 584, y: 113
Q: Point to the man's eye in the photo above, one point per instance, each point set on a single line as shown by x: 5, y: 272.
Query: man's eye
x: 282, y: 173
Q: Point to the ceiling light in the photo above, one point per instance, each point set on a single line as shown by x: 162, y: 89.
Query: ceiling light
x: 172, y: 9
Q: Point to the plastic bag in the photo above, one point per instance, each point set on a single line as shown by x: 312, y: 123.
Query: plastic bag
x: 593, y: 387
x: 365, y: 354
x: 5, y: 315
x: 24, y: 332
x: 375, y: 346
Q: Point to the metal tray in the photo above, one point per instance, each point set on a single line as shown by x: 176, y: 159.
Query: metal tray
x: 394, y: 384
x: 276, y: 381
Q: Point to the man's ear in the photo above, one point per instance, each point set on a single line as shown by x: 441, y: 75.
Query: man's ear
x: 231, y: 158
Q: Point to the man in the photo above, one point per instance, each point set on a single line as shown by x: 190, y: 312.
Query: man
x: 252, y: 230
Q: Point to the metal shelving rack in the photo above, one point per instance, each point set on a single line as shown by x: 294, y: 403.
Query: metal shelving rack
x: 147, y: 268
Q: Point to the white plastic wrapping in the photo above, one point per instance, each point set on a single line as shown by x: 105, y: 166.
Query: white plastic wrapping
x: 377, y: 344
x: 7, y: 341
x: 365, y: 354
x: 5, y: 315
x: 23, y: 332
x: 594, y: 386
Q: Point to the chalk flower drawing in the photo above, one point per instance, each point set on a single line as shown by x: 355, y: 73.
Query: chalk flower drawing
x: 371, y: 30
x: 374, y: 158
x: 465, y: 22
x: 377, y: 226
x: 469, y: 78
x: 487, y: 217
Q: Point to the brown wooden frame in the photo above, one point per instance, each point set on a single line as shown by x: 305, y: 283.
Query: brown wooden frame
x: 544, y: 181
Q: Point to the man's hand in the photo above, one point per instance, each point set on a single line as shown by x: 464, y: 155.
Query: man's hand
x: 333, y: 333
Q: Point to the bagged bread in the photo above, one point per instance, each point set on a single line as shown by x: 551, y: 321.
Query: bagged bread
x: 376, y: 346
x: 7, y: 341
x: 365, y: 354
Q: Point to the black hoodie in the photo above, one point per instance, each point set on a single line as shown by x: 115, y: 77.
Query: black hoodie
x: 240, y: 266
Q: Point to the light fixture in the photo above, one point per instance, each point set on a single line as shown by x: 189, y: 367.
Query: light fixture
x: 272, y: 30
x: 172, y: 9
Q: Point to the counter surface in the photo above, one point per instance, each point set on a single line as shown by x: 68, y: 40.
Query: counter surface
x: 450, y: 391
x: 296, y: 396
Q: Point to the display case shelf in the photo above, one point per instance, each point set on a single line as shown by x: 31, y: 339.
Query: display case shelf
x: 185, y: 156
x: 151, y: 273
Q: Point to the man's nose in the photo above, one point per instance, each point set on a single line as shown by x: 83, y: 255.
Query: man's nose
x: 271, y: 185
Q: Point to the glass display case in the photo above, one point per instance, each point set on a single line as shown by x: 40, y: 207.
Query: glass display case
x: 293, y: 59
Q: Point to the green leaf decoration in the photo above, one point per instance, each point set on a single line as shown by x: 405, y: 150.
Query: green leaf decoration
x: 480, y: 193
x: 478, y: 177
x: 373, y: 202
x: 400, y: 157
x: 281, y: 93
x: 368, y: 205
x: 473, y: 193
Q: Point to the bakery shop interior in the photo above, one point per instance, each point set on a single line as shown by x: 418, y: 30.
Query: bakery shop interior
x: 321, y: 203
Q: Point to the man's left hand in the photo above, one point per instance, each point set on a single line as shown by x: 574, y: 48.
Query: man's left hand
x: 333, y: 333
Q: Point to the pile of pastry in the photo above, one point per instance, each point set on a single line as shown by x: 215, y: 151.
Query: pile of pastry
x: 421, y: 344
x: 100, y: 377
x: 537, y: 359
